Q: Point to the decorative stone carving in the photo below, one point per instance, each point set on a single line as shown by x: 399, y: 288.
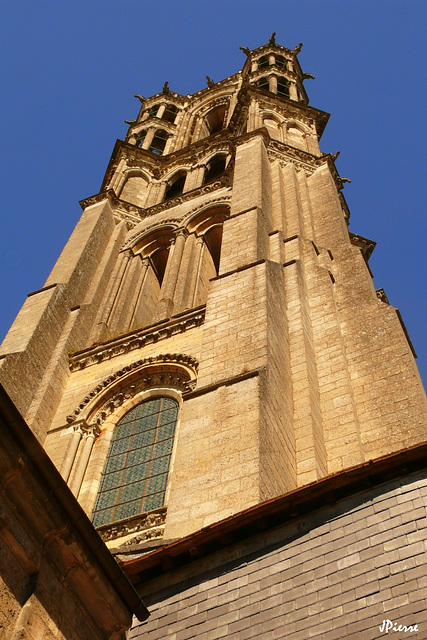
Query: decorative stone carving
x: 136, y: 340
x: 174, y: 370
x: 151, y: 524
x: 381, y: 295
x: 366, y: 246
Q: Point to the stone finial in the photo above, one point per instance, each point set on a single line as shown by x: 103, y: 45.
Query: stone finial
x: 272, y: 38
x: 334, y: 156
x: 210, y: 82
x: 166, y: 88
x: 297, y: 49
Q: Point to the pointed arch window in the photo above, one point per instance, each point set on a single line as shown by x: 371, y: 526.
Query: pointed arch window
x: 176, y: 185
x: 136, y: 472
x: 159, y: 141
x: 263, y: 62
x: 283, y: 87
x: 281, y: 62
x: 263, y: 83
x: 215, y: 168
x: 170, y: 113
x: 140, y: 137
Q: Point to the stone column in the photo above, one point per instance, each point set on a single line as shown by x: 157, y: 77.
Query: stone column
x: 272, y: 83
x: 148, y: 138
x: 293, y: 91
x: 89, y: 439
x: 171, y: 274
x: 67, y: 465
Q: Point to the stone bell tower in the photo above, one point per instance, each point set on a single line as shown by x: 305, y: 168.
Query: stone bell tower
x: 210, y: 337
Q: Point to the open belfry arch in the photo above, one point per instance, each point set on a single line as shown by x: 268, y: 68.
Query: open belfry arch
x: 211, y: 291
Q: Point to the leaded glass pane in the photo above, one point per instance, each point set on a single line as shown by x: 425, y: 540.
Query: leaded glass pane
x: 138, y: 462
x: 138, y: 456
x: 151, y: 406
x: 131, y: 492
x: 118, y: 446
x: 168, y: 416
x: 166, y: 431
x: 103, y: 517
x: 127, y: 510
x: 152, y: 502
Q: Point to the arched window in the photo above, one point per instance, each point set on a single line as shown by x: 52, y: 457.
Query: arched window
x: 151, y: 111
x: 283, y: 87
x: 263, y: 62
x: 159, y: 141
x: 215, y: 168
x: 140, y: 137
x: 136, y: 472
x: 263, y: 83
x: 281, y: 62
x: 176, y: 185
x: 170, y: 113
x: 215, y: 119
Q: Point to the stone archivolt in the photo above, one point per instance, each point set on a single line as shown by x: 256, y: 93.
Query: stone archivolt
x: 165, y: 370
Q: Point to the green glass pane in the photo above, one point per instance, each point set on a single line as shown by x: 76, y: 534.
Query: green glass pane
x: 157, y: 483
x: 111, y: 480
x: 143, y: 439
x: 115, y: 462
x: 118, y: 446
x: 160, y: 465
x: 135, y: 473
x: 127, y: 510
x: 129, y: 416
x: 138, y: 456
x: 165, y: 432
x: 122, y: 431
x: 162, y: 448
x: 131, y: 492
x: 146, y: 408
x: 167, y: 403
x: 102, y: 517
x: 168, y: 416
x: 106, y: 499
x: 153, y: 502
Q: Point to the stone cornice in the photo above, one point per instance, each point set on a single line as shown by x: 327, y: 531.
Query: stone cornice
x: 365, y: 245
x: 136, y: 339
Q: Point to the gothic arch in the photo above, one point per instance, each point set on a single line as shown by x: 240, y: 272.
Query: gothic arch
x: 296, y: 135
x: 135, y: 187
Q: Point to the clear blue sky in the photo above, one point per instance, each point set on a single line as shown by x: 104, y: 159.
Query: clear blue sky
x: 70, y: 70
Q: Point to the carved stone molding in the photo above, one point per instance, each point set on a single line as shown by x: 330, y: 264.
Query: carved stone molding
x: 136, y: 340
x: 130, y: 242
x: 381, y: 295
x: 174, y: 370
x: 366, y: 246
x: 151, y: 525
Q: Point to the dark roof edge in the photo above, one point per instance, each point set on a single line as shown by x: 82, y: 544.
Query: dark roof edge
x: 71, y: 507
x: 277, y: 511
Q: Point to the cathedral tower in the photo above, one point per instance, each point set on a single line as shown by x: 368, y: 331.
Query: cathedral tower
x: 210, y: 337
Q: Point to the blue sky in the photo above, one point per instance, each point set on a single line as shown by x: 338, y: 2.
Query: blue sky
x: 69, y: 72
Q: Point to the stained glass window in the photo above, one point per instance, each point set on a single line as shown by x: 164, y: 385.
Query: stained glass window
x: 136, y: 472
